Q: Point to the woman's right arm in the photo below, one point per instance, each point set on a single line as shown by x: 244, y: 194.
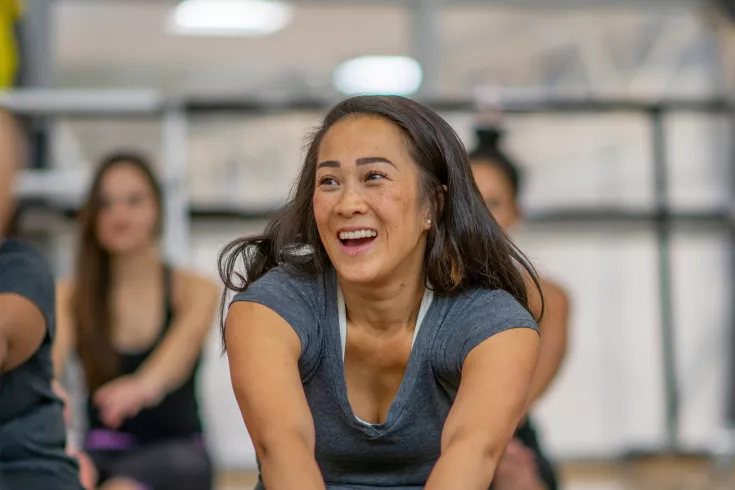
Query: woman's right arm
x: 65, y: 329
x: 263, y: 352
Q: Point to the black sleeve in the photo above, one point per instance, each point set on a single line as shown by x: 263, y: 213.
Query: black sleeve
x: 24, y: 271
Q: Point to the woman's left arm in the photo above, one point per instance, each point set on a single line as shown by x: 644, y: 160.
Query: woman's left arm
x: 172, y: 361
x: 492, y: 395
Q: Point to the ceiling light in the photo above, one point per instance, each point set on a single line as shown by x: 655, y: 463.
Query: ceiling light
x: 229, y: 17
x: 378, y: 75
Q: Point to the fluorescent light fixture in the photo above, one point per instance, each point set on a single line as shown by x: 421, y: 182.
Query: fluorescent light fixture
x: 229, y: 17
x: 378, y: 75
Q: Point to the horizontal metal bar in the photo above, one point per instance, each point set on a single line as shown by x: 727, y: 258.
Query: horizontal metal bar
x: 108, y: 103
x: 515, y: 105
x: 589, y: 216
x: 55, y: 102
x: 618, y: 215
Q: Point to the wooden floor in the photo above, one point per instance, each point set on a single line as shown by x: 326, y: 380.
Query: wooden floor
x: 651, y: 474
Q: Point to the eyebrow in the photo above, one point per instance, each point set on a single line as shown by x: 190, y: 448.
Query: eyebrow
x: 359, y: 161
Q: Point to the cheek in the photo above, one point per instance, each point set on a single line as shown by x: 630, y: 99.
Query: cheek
x: 321, y: 210
x: 149, y: 221
x: 103, y: 221
x: 397, y: 210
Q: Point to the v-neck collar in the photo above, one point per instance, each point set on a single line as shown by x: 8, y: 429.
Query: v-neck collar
x: 337, y: 340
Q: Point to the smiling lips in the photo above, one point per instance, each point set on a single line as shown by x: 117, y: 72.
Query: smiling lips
x: 356, y: 241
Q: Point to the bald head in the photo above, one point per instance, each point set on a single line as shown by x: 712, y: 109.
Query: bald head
x: 11, y: 159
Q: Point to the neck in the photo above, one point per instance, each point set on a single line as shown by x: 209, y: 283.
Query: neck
x: 136, y: 266
x: 391, y: 306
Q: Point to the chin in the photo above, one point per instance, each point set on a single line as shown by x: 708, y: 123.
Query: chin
x: 358, y: 273
x: 121, y: 248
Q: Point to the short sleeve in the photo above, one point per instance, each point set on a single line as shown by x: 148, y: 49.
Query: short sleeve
x: 294, y: 299
x: 487, y: 313
x: 24, y: 271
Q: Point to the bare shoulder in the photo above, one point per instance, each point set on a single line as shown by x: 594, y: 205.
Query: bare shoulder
x: 555, y: 295
x: 188, y: 285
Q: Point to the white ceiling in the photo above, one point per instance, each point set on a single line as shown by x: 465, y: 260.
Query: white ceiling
x: 124, y: 44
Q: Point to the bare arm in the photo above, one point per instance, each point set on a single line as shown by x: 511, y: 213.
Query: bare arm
x: 65, y: 329
x: 172, y: 362
x: 22, y: 329
x: 553, y: 328
x: 263, y: 351
x: 492, y: 395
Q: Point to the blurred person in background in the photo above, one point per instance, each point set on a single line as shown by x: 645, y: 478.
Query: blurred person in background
x: 524, y: 466
x: 33, y: 435
x: 138, y: 326
x: 380, y: 335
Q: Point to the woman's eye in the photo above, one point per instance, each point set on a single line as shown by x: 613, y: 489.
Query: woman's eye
x: 327, y: 181
x: 374, y: 176
x: 134, y: 200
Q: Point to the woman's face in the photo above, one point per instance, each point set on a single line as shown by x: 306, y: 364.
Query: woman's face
x: 129, y: 213
x: 368, y: 205
x: 497, y: 191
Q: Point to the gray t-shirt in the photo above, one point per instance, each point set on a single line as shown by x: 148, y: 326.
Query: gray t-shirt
x: 399, y: 453
x: 32, y: 428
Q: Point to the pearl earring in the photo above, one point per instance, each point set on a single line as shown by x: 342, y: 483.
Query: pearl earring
x: 428, y: 222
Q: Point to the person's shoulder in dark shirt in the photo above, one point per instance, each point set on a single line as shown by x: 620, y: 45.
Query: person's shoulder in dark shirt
x: 32, y: 428
x: 25, y: 272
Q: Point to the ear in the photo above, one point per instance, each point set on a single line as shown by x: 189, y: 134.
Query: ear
x: 440, y: 197
x: 441, y: 192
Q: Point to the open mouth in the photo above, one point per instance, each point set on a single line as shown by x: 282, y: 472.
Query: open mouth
x: 355, y: 241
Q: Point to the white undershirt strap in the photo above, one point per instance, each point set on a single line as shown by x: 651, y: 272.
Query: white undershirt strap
x: 342, y: 311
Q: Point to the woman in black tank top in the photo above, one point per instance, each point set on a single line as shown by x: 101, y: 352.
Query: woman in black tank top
x: 138, y: 327
x: 524, y: 467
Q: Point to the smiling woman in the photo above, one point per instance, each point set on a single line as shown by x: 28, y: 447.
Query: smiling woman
x: 399, y: 352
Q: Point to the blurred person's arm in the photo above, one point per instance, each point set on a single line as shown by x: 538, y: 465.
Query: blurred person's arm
x: 490, y: 401
x: 22, y: 329
x: 553, y: 328
x: 65, y: 328
x: 171, y: 363
x: 263, y: 352
x: 26, y: 304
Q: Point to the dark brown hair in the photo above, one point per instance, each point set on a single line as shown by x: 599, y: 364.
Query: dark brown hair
x: 466, y: 248
x: 91, y: 301
x: 488, y: 152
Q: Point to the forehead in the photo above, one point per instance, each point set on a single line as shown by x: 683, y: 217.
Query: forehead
x: 361, y: 136
x: 123, y: 177
x: 490, y: 178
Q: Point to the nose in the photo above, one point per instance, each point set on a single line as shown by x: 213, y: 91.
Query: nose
x: 351, y: 201
x: 117, y: 208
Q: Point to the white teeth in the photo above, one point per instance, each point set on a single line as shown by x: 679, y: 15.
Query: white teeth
x: 352, y: 235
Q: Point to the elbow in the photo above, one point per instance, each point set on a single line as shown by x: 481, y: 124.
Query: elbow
x: 273, y: 444
x: 486, y: 449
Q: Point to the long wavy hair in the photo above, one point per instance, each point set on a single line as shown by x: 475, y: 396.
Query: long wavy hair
x: 91, y: 301
x: 466, y: 248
